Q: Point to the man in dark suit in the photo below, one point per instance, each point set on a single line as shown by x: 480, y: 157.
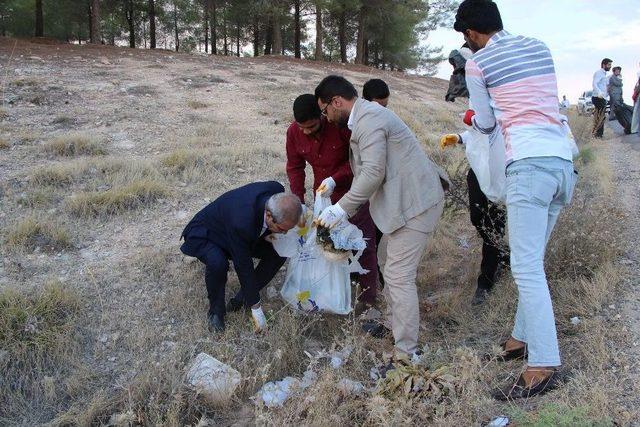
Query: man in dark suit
x: 234, y: 227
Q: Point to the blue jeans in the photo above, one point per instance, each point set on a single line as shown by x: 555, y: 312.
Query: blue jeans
x: 537, y: 190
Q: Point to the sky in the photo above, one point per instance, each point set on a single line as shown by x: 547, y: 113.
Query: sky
x: 580, y: 33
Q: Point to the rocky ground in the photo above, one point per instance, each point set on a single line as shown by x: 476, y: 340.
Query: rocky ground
x: 197, y: 126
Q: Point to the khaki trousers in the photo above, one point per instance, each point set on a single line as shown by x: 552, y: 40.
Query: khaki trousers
x: 399, y: 255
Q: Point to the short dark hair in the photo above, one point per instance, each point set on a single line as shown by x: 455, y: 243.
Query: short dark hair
x: 605, y: 61
x: 332, y: 86
x: 375, y: 89
x: 616, y: 68
x: 306, y: 108
x: 482, y: 16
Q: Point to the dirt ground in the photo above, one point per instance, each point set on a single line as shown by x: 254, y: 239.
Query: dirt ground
x: 156, y: 116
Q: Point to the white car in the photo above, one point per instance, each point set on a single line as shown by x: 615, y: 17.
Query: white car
x: 585, y: 106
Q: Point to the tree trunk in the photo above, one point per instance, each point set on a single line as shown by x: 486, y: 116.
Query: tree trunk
x: 296, y: 35
x: 318, y: 31
x: 238, y: 40
x: 225, y: 44
x: 256, y: 37
x: 214, y: 27
x: 175, y: 26
x: 342, y: 36
x: 132, y: 26
x: 277, y: 35
x: 39, y: 19
x: 365, y: 58
x: 95, y: 22
x: 206, y: 26
x: 268, y: 38
x: 152, y: 24
x: 360, y: 37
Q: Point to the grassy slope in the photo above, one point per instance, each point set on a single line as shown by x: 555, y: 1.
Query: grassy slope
x: 122, y: 147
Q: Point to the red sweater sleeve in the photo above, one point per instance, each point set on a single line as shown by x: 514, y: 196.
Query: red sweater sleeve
x: 295, y: 166
x: 343, y: 175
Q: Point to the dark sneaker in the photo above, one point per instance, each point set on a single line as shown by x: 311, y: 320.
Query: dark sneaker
x: 520, y: 391
x: 376, y: 329
x: 234, y: 305
x: 480, y: 296
x: 215, y: 323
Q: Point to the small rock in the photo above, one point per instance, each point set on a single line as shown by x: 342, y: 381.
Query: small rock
x: 103, y: 338
x: 111, y: 359
x: 276, y: 121
x: 349, y: 387
x: 272, y: 292
x: 240, y: 170
x: 612, y: 307
x: 575, y: 321
x: 213, y: 379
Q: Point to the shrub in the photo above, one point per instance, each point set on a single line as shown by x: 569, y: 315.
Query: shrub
x: 118, y: 199
x: 74, y: 145
x: 32, y: 232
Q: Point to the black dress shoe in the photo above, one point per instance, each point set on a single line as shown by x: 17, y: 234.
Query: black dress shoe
x: 234, y: 305
x: 520, y: 391
x: 376, y: 329
x: 215, y: 323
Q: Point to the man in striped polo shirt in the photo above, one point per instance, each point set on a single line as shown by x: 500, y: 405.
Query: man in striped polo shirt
x: 511, y: 81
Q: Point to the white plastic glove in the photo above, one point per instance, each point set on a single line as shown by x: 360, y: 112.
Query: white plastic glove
x: 259, y: 319
x: 326, y: 187
x: 332, y: 215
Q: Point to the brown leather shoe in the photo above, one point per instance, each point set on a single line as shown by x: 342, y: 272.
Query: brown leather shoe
x: 515, y: 354
x: 519, y: 390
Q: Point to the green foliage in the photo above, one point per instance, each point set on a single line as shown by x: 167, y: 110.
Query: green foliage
x: 394, y: 31
x: 558, y: 415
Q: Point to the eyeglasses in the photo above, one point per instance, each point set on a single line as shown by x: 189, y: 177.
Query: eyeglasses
x: 324, y: 110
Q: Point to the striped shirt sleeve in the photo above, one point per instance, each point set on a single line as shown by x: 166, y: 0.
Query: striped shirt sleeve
x: 484, y: 120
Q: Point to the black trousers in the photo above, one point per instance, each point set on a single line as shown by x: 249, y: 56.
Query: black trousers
x: 489, y: 220
x: 599, y: 114
x: 216, y: 261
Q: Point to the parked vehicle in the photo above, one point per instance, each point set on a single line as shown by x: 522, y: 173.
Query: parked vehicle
x: 585, y: 106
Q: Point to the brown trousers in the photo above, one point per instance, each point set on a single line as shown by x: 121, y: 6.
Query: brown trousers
x: 399, y: 255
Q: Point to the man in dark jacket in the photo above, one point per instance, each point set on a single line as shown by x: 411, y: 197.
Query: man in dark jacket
x: 234, y: 227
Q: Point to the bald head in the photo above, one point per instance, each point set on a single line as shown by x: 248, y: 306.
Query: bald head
x: 283, y: 212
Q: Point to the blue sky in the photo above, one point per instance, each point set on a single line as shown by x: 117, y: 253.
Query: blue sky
x: 579, y: 33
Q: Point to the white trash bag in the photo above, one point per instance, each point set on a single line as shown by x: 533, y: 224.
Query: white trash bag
x: 487, y: 158
x: 317, y: 279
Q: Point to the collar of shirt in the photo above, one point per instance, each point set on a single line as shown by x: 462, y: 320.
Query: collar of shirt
x: 497, y: 36
x: 350, y: 121
x: 264, y: 224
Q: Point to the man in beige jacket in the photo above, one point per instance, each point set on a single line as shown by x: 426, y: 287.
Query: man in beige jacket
x: 405, y: 191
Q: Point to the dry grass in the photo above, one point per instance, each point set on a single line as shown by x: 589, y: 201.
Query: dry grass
x: 197, y: 105
x: 75, y: 144
x: 3, y: 113
x: 37, y: 198
x: 38, y: 343
x: 33, y: 232
x: 4, y: 144
x: 56, y: 175
x: 117, y: 200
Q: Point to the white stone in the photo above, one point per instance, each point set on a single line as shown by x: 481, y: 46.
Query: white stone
x: 213, y: 379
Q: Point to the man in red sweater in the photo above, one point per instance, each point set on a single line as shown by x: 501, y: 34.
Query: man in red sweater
x: 312, y: 139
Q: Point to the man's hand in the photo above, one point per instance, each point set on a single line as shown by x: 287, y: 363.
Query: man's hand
x: 258, y: 317
x: 449, y: 139
x: 332, y: 216
x: 468, y: 115
x: 326, y: 187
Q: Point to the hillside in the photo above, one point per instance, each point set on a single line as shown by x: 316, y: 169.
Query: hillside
x: 106, y: 153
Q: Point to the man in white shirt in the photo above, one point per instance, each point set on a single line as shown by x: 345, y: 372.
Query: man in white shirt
x: 565, y: 104
x: 600, y: 96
